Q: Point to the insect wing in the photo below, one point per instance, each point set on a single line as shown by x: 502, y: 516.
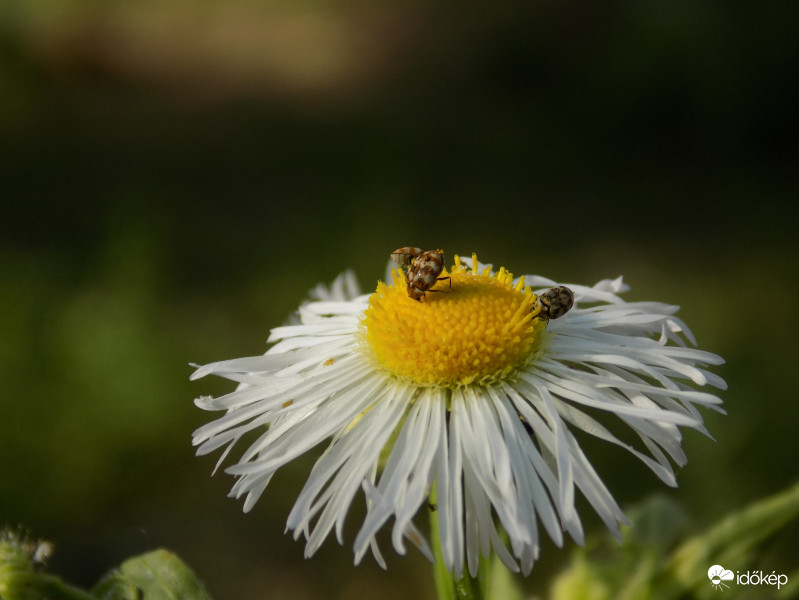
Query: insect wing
x: 404, y: 256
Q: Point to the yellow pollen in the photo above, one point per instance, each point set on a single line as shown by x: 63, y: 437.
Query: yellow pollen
x: 482, y: 330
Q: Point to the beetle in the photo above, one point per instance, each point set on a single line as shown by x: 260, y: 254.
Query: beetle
x: 423, y: 269
x: 555, y: 302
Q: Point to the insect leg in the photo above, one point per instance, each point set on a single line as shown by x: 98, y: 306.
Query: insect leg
x: 442, y: 279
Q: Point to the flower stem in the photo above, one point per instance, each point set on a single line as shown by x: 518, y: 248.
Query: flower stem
x: 448, y: 586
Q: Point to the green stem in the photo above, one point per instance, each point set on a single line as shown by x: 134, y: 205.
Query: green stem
x: 468, y: 588
x: 448, y: 587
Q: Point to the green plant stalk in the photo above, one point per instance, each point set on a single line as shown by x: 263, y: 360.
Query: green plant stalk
x: 449, y: 587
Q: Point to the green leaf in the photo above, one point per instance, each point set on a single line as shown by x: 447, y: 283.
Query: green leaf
x: 733, y: 540
x: 643, y: 566
x: 157, y: 575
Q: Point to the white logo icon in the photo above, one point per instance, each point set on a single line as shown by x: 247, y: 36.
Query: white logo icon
x: 718, y: 575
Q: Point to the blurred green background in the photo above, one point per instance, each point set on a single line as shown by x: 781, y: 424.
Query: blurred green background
x: 175, y: 176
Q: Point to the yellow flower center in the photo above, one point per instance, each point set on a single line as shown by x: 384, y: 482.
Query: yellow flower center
x: 484, y: 329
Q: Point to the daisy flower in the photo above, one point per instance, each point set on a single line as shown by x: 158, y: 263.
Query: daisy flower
x: 466, y: 401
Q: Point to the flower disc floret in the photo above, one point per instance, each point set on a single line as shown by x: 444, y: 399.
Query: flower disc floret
x: 481, y: 329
